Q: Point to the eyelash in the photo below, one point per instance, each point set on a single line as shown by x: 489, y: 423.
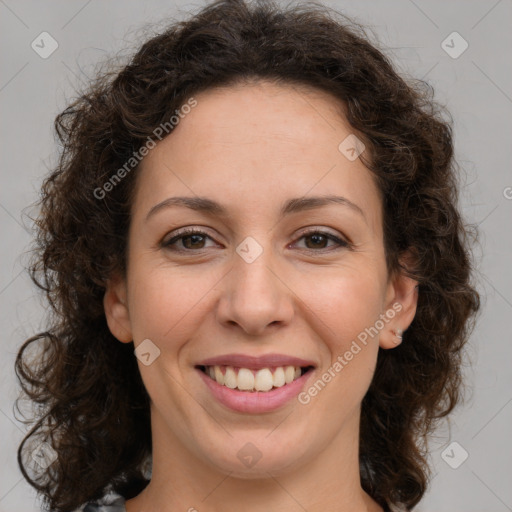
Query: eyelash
x: 194, y: 231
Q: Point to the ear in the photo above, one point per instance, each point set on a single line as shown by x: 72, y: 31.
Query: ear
x: 116, y: 309
x: 402, y: 300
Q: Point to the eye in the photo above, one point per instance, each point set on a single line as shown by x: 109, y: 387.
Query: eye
x: 190, y: 239
x: 319, y: 238
x: 193, y: 239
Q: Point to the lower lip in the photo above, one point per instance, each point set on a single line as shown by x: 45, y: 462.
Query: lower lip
x: 255, y: 402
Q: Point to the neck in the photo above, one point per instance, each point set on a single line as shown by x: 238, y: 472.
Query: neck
x: 181, y: 481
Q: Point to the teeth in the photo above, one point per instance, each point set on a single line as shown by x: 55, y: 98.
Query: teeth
x: 246, y: 379
x: 249, y: 380
x: 289, y: 374
x: 279, y: 378
x: 218, y: 375
x: 263, y: 380
x: 230, y: 379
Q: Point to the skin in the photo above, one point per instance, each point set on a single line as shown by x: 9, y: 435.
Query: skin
x: 251, y: 148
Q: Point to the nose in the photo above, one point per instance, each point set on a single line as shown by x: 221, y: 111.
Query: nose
x: 255, y: 296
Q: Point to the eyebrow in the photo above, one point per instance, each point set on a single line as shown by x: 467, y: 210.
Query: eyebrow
x: 299, y: 204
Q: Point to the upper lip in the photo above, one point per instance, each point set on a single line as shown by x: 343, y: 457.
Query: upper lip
x: 255, y: 362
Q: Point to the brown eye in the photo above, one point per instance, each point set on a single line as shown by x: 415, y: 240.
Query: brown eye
x: 318, y: 240
x: 191, y: 240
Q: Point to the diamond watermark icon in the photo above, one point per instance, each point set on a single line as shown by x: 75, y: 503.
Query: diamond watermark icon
x: 147, y: 352
x: 249, y: 455
x: 351, y: 147
x: 249, y: 249
x: 44, y: 45
x: 44, y: 455
x: 454, y: 45
x: 454, y: 455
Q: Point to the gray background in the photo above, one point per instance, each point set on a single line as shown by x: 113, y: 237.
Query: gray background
x: 477, y: 89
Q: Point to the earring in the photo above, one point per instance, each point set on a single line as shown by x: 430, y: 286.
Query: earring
x: 399, y: 333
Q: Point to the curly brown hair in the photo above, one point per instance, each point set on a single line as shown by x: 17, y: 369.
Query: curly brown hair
x: 95, y: 408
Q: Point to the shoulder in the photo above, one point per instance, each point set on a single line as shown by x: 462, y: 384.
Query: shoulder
x: 111, y: 502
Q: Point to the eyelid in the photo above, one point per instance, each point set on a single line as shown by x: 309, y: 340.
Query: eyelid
x: 342, y: 241
x: 183, y: 232
x: 324, y: 231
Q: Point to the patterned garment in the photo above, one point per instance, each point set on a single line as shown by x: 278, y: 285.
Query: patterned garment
x: 112, y: 502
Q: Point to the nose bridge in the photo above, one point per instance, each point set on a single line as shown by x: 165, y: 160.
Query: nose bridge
x: 254, y: 297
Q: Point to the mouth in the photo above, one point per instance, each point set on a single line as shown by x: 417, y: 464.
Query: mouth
x: 252, y: 380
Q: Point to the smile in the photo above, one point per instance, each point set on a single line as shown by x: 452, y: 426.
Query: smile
x: 251, y: 380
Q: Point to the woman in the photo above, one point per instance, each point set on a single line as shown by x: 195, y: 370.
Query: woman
x: 259, y: 276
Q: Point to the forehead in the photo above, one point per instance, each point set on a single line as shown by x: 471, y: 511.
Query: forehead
x: 255, y: 113
x: 265, y: 141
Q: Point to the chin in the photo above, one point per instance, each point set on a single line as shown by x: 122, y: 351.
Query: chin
x: 252, y: 460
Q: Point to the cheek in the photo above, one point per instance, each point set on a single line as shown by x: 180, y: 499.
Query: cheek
x: 347, y: 303
x: 346, y: 310
x: 166, y: 304
x: 152, y: 310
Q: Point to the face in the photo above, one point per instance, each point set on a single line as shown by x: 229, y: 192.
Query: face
x: 272, y: 278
